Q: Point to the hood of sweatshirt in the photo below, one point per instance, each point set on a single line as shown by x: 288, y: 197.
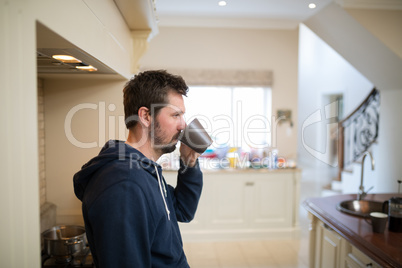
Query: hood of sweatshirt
x: 111, y: 151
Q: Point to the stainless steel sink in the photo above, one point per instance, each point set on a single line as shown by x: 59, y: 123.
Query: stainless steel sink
x: 360, y: 208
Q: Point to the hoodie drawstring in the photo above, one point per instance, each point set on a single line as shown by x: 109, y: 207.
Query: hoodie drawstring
x: 163, y: 195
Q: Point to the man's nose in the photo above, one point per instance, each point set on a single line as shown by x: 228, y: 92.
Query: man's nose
x: 182, y: 124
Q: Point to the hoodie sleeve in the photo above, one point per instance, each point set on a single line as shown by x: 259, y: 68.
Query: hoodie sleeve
x: 187, y: 192
x: 123, y: 229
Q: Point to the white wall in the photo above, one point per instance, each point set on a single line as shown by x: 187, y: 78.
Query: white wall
x: 86, y: 24
x: 19, y: 193
x: 322, y: 71
x: 80, y: 116
x: 233, y: 49
x: 389, y: 152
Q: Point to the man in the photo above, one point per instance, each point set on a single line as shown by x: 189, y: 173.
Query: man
x: 130, y: 213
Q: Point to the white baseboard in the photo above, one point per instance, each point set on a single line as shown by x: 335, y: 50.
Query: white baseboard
x: 243, y: 234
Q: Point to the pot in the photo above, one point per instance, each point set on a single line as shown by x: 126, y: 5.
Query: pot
x: 64, y: 241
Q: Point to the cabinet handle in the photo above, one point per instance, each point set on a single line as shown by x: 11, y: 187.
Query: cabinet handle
x: 249, y: 183
x: 327, y: 227
x: 369, y: 265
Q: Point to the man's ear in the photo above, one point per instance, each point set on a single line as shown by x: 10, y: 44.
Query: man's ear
x: 144, y: 116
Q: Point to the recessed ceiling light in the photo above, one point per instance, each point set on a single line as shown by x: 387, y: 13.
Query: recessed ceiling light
x: 312, y: 5
x: 66, y: 58
x: 222, y: 3
x: 88, y: 68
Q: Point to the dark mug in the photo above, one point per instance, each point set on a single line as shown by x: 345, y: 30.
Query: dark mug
x: 393, y: 207
x: 196, y: 137
x: 378, y: 221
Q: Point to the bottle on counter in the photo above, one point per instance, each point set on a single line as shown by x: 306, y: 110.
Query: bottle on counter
x: 274, y: 158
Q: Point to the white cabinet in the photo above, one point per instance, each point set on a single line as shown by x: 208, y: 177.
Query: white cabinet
x: 274, y: 201
x: 356, y: 259
x: 245, y: 204
x: 229, y: 201
x: 329, y: 249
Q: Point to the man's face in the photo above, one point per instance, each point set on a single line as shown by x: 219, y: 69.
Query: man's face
x: 168, y: 124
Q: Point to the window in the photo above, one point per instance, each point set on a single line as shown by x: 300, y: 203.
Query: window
x: 237, y: 118
x: 235, y: 108
x: 233, y: 116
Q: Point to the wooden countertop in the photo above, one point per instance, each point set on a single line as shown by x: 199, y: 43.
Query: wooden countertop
x: 385, y: 248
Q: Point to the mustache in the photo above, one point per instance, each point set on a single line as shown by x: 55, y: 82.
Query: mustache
x: 177, y: 136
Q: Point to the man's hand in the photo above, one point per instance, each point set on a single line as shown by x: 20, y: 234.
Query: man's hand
x: 188, y: 155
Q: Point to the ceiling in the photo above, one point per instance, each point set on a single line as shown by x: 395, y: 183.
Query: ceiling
x: 237, y: 13
x: 151, y: 14
x: 278, y: 14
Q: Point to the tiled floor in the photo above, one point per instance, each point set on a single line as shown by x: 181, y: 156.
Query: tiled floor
x: 263, y: 253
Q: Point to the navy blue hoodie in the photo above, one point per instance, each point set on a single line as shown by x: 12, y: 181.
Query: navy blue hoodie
x: 130, y: 213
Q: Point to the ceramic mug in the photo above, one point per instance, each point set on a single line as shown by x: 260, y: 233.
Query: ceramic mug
x: 195, y: 137
x: 378, y: 221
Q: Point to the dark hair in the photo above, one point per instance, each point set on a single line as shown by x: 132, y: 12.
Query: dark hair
x: 147, y: 88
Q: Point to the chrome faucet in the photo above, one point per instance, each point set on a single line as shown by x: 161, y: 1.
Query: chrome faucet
x: 361, y: 194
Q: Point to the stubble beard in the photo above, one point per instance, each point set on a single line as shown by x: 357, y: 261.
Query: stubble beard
x: 158, y: 140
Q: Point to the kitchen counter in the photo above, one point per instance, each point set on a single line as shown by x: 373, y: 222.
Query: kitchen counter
x: 385, y: 248
x: 241, y: 170
x: 245, y: 204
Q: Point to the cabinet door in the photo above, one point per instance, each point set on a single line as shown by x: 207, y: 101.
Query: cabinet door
x: 271, y: 202
x: 261, y: 201
x: 228, y: 203
x: 357, y: 259
x: 329, y: 251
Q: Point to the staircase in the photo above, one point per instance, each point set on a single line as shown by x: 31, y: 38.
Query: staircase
x: 357, y: 133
